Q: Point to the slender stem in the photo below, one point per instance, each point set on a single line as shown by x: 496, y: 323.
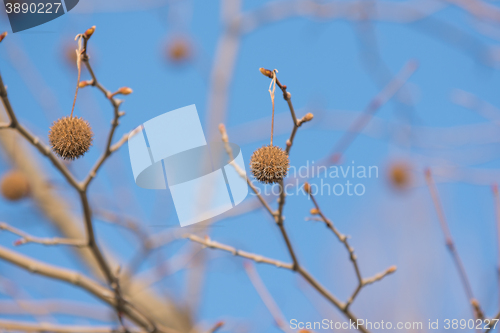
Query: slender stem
x: 450, y: 244
x: 497, y: 213
x: 79, y: 67
x: 10, y: 325
x: 207, y: 242
x: 266, y: 297
x: 26, y: 238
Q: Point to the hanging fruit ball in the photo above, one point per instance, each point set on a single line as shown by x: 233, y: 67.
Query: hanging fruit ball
x: 70, y: 137
x: 269, y: 164
x: 400, y: 175
x: 14, y: 186
x: 179, y: 50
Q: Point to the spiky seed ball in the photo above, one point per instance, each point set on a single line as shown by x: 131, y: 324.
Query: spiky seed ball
x: 70, y: 137
x: 14, y: 186
x: 269, y: 164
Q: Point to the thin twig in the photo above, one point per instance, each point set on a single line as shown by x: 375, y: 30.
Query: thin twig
x: 27, y: 238
x: 497, y: 213
x: 207, y: 242
x: 218, y: 325
x: 450, y: 244
x: 266, y: 297
x: 352, y: 256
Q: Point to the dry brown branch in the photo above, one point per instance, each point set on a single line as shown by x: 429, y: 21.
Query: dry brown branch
x: 74, y: 278
x: 352, y: 256
x: 207, y: 242
x: 26, y: 238
x: 450, y: 244
x: 56, y: 306
x: 82, y: 187
x: 9, y: 325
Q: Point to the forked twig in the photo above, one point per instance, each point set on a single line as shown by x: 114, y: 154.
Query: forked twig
x: 352, y: 256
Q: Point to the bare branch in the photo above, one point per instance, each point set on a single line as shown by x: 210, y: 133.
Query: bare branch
x: 26, y: 238
x: 255, y: 257
x: 450, y: 244
x: 266, y: 297
x: 375, y: 104
x: 352, y: 256
x: 71, y: 277
x: 45, y: 327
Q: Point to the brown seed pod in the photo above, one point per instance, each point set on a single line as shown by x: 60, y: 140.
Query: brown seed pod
x: 14, y: 186
x: 269, y: 164
x: 400, y: 175
x: 70, y: 137
x: 179, y: 50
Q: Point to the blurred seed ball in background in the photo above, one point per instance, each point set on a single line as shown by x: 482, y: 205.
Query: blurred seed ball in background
x: 70, y: 137
x: 179, y: 50
x: 14, y: 185
x: 399, y: 175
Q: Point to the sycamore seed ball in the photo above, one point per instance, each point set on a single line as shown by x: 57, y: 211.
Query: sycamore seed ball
x: 269, y: 164
x: 70, y: 137
x: 14, y: 186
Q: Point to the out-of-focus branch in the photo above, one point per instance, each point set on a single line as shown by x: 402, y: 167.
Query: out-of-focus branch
x: 218, y: 325
x: 9, y: 325
x: 375, y: 104
x: 56, y: 306
x: 450, y: 244
x: 27, y: 238
x: 497, y: 214
x: 266, y: 297
x: 74, y: 278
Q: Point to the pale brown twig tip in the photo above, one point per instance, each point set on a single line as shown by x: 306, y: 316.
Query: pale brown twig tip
x: 3, y: 35
x: 307, y: 188
x: 222, y: 128
x: 391, y: 269
x: 494, y: 188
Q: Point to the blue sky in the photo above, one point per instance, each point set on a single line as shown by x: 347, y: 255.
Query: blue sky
x: 331, y: 72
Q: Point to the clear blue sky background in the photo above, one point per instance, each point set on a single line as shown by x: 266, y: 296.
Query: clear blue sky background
x: 324, y: 65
